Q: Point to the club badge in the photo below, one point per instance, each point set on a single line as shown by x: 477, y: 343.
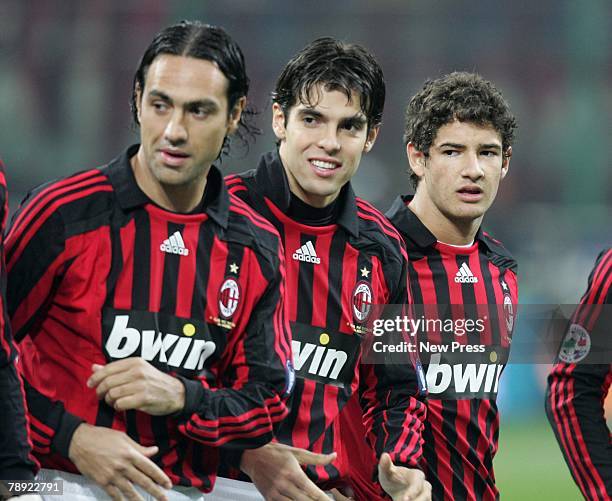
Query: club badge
x: 508, y: 313
x: 362, y: 301
x: 229, y: 297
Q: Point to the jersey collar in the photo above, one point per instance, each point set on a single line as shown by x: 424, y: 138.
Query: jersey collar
x: 410, y: 226
x: 272, y: 183
x: 215, y: 202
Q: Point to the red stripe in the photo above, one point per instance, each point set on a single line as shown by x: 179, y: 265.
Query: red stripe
x: 57, y: 189
x: 560, y: 405
x: 40, y: 220
x: 123, y: 287
x: 159, y: 232
x: 392, y: 234
x: 187, y: 271
x: 382, y: 220
x: 291, y: 243
x: 298, y: 436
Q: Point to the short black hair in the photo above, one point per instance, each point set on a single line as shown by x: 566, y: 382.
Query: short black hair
x: 201, y: 41
x: 462, y: 96
x: 336, y: 66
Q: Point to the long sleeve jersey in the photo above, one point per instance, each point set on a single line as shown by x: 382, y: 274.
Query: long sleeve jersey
x: 479, y: 283
x: 98, y: 273
x: 335, y: 274
x: 16, y: 459
x: 579, y: 383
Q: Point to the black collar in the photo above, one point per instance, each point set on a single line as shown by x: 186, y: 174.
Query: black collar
x: 411, y: 227
x: 272, y: 183
x: 215, y: 202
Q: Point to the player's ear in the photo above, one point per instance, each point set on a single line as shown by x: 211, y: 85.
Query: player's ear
x: 236, y: 113
x: 506, y: 161
x: 416, y: 159
x: 372, y: 135
x: 278, y: 122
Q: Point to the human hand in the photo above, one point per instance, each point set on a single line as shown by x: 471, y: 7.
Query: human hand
x: 401, y: 483
x: 133, y: 383
x: 276, y: 472
x: 115, y: 462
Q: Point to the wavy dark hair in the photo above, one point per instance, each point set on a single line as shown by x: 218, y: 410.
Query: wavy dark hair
x: 212, y: 43
x: 336, y: 66
x: 462, y: 96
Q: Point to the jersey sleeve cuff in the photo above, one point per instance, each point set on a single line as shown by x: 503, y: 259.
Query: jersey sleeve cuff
x: 194, y: 397
x: 63, y: 436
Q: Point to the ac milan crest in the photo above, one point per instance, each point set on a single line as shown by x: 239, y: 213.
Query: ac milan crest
x: 362, y: 301
x: 508, y: 312
x: 229, y: 296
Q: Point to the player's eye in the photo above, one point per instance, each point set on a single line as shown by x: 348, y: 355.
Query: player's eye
x: 352, y: 127
x: 200, y: 112
x: 489, y: 153
x: 159, y: 106
x: 309, y: 120
x: 450, y: 153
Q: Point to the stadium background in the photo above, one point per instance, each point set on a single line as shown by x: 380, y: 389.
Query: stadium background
x: 66, y: 69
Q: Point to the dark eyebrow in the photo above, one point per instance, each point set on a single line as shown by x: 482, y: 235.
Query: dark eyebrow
x: 161, y: 95
x: 356, y: 120
x: 207, y: 104
x: 492, y: 146
x: 310, y: 111
x: 457, y: 146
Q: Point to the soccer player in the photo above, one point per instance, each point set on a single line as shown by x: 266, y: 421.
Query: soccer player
x: 578, y: 385
x: 342, y: 256
x: 458, y: 137
x: 148, y: 301
x: 16, y: 460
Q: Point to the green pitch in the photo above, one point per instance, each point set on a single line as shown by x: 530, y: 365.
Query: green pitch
x: 529, y: 465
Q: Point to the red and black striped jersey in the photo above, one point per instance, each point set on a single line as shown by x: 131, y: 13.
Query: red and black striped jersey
x: 97, y: 273
x: 578, y: 385
x: 335, y: 273
x: 461, y: 434
x: 455, y: 284
x: 16, y: 459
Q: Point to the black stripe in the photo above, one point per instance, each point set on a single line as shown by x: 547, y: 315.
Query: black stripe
x: 305, y: 285
x: 142, y: 262
x: 317, y: 416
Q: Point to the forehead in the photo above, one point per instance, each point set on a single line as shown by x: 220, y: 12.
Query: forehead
x: 331, y: 103
x: 186, y: 78
x: 467, y: 133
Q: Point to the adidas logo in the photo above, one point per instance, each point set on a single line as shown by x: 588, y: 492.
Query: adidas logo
x: 307, y: 254
x: 174, y: 245
x: 465, y: 275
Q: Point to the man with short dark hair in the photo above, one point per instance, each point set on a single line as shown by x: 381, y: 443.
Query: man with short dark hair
x: 148, y: 302
x: 342, y: 257
x: 458, y: 135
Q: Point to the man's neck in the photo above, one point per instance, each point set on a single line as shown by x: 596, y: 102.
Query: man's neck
x: 454, y: 232
x: 179, y: 198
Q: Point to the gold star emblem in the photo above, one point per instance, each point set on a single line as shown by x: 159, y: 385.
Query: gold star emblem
x: 365, y: 272
x: 234, y: 268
